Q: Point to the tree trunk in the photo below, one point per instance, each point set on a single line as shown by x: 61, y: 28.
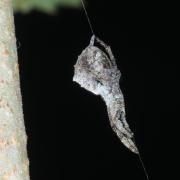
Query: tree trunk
x: 14, y: 164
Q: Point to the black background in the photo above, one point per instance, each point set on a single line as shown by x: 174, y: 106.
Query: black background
x: 69, y: 136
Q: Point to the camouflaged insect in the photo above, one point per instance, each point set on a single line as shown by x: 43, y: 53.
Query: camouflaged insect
x: 97, y: 72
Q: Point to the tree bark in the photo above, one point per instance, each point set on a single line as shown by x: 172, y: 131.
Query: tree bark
x: 14, y: 164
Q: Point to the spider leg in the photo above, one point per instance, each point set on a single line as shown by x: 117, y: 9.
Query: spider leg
x: 108, y: 50
x: 92, y: 40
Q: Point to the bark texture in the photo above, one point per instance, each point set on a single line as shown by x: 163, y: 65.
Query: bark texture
x: 14, y: 164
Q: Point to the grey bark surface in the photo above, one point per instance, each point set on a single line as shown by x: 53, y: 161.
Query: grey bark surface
x: 14, y: 164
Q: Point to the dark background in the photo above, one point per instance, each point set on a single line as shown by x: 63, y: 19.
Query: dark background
x: 69, y: 136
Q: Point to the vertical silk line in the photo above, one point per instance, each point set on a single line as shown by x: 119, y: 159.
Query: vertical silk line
x: 142, y: 163
x: 90, y: 25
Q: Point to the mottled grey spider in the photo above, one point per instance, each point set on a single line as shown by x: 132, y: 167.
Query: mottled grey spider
x: 97, y: 72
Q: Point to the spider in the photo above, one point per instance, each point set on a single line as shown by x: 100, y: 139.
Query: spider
x: 97, y: 72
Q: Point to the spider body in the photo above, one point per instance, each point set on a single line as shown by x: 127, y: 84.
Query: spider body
x: 97, y: 72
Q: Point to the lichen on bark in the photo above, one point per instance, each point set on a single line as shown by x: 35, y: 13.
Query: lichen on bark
x: 14, y: 164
